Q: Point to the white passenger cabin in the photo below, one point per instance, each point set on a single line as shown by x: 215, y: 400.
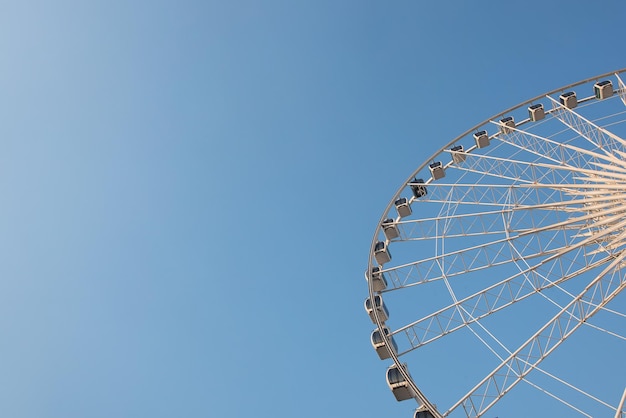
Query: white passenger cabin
x: 536, y: 112
x: 379, y: 306
x: 390, y: 228
x: 403, y: 207
x: 458, y: 156
x: 437, y: 171
x: 603, y: 89
x: 569, y: 100
x: 381, y: 253
x: 379, y: 344
x: 482, y: 139
x: 379, y: 282
x: 398, y: 384
x: 506, y: 124
x: 423, y: 414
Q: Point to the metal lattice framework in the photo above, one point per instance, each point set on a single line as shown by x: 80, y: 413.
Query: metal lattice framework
x: 507, y: 270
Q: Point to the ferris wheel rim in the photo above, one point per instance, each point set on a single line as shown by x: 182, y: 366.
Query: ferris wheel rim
x: 425, y: 403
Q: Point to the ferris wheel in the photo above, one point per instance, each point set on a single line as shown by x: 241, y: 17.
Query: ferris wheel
x: 496, y: 272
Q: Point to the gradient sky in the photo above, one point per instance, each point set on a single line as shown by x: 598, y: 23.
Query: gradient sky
x: 190, y: 188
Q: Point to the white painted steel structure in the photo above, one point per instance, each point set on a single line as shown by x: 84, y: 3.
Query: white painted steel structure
x: 505, y: 285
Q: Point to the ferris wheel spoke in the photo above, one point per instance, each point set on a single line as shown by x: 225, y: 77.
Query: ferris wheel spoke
x: 515, y: 171
x: 541, y: 280
x: 542, y: 371
x: 480, y: 223
x: 519, y: 172
x: 469, y: 314
x: 601, y: 215
x: 606, y: 331
x: 500, y: 196
x: 546, y: 148
x: 487, y: 255
x: 496, y: 195
x: 601, y: 290
x: 589, y: 267
x: 569, y: 385
x: 484, y: 303
x: 597, y: 136
x: 501, y: 200
x: 542, y: 148
x: 489, y: 222
x: 478, y: 257
x: 561, y: 400
x: 453, y: 226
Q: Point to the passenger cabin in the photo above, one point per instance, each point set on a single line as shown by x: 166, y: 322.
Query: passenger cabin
x: 482, y: 139
x: 437, y: 171
x: 390, y: 228
x: 418, y: 187
x: 506, y: 124
x: 379, y: 306
x: 398, y: 384
x: 403, y: 207
x: 423, y: 414
x: 379, y: 282
x: 379, y: 344
x: 536, y: 112
x: 458, y: 156
x: 381, y: 253
x: 603, y: 89
x: 568, y: 99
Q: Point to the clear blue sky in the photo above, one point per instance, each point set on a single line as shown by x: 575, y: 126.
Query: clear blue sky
x: 189, y: 188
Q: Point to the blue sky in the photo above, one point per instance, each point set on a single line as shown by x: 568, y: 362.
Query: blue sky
x: 190, y: 188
